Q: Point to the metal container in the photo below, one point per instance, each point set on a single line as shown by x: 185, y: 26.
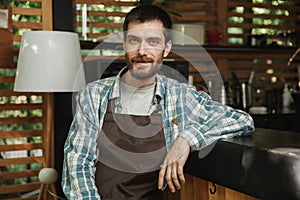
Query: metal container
x: 246, y: 96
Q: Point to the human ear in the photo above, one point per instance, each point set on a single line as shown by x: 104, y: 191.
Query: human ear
x: 167, y: 48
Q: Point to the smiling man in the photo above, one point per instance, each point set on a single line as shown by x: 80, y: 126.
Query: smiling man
x: 145, y: 48
x: 132, y: 133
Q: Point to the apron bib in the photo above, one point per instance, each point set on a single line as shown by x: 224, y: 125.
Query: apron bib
x: 132, y: 148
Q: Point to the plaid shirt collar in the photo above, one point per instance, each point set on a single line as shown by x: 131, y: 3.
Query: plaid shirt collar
x: 115, y: 89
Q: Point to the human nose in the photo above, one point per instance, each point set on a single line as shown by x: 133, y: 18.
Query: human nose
x: 143, y: 48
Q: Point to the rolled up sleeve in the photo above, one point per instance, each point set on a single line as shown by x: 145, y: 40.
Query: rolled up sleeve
x: 206, y: 121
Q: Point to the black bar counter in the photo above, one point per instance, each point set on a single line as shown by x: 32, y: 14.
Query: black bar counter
x: 265, y: 165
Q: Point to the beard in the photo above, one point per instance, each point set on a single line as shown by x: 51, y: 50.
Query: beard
x: 140, y: 72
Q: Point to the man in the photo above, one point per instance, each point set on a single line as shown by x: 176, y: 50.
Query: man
x: 132, y: 133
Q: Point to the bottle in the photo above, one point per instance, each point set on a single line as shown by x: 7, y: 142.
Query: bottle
x: 287, y: 98
x: 246, y: 96
x: 223, y: 95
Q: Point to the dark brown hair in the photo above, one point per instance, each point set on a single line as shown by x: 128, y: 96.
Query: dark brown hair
x: 147, y: 13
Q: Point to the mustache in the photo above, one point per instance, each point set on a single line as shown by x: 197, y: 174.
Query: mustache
x: 141, y: 59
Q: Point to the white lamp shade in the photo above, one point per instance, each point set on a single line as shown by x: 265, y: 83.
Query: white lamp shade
x: 49, y: 61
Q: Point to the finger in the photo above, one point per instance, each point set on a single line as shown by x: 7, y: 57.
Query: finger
x: 161, y: 176
x: 175, y: 176
x: 180, y: 174
x: 169, y: 178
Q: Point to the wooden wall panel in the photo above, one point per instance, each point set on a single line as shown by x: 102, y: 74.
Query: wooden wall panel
x: 103, y: 17
x: 23, y: 136
x: 250, y: 14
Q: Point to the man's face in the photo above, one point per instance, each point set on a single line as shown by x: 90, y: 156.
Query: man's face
x: 145, y: 48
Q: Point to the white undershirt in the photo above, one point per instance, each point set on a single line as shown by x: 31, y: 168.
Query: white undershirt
x: 136, y: 101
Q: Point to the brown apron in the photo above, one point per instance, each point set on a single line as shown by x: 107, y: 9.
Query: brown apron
x: 131, y: 150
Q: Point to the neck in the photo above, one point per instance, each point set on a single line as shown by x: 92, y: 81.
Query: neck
x: 129, y: 80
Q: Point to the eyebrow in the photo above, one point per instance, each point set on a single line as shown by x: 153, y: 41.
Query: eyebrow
x: 154, y: 38
x: 132, y: 36
x: 150, y: 38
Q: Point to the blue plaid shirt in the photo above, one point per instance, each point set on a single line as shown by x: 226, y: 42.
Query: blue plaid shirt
x: 186, y: 112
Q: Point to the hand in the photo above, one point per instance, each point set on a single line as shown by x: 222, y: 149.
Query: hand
x: 172, y: 168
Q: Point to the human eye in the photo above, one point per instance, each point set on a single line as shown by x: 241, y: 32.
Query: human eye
x: 133, y: 40
x: 153, y: 41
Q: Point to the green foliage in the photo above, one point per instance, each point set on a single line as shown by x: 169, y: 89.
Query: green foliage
x: 103, y: 19
x: 25, y: 18
x: 258, y: 20
x: 20, y: 127
x: 6, y: 2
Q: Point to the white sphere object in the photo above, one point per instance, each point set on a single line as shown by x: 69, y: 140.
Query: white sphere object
x: 48, y: 175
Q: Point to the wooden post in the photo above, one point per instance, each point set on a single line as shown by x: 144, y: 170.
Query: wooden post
x: 49, y: 130
x: 222, y: 23
x: 48, y: 143
x: 6, y: 40
x: 47, y: 22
